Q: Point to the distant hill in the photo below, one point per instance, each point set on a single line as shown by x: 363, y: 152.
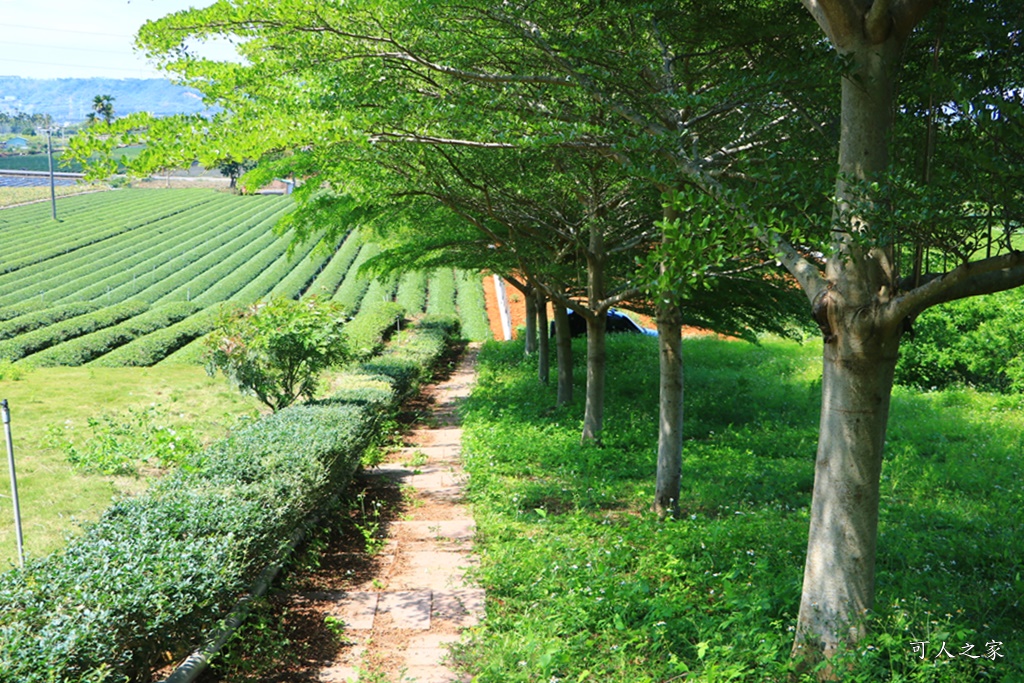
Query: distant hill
x: 70, y: 99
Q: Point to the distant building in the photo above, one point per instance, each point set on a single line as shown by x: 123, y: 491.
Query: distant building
x: 16, y: 143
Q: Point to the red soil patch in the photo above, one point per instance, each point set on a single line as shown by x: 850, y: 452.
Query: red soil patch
x: 516, y: 305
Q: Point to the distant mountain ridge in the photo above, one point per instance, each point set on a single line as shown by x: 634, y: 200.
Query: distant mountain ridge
x: 70, y: 99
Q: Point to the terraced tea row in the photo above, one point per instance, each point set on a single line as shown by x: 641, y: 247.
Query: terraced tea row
x: 138, y: 277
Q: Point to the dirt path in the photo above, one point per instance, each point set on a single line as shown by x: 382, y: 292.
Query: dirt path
x: 400, y: 615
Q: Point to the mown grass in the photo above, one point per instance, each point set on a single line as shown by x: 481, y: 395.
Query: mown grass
x: 54, y: 498
x: 584, y: 584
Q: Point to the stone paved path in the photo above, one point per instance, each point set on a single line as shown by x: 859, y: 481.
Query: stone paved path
x: 420, y: 599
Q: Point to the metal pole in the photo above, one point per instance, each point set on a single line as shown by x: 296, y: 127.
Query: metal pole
x: 14, y: 481
x: 53, y: 193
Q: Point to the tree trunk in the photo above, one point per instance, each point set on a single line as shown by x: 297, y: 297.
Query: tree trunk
x: 530, y: 347
x: 563, y: 352
x: 839, y: 574
x: 858, y: 362
x: 670, y: 421
x: 593, y: 414
x: 544, y: 345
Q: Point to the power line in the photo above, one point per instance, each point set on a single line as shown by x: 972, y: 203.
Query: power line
x: 67, y: 30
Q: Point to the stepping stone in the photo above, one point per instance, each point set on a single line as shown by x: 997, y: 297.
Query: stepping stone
x: 446, y: 436
x: 356, y: 609
x: 434, y: 570
x: 435, y: 478
x: 463, y: 607
x: 432, y: 674
x: 408, y: 609
x: 449, y: 532
x: 393, y: 470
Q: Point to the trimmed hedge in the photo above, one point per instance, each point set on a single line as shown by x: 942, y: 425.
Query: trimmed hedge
x: 155, y: 346
x: 472, y: 307
x: 412, y: 292
x: 36, y: 319
x: 441, y: 292
x: 43, y: 338
x: 157, y: 571
x: 83, y: 349
x: 367, y: 331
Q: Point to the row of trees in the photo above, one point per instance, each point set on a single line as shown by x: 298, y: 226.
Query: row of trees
x: 659, y: 155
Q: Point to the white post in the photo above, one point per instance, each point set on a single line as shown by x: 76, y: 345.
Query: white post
x: 14, y: 482
x: 506, y: 316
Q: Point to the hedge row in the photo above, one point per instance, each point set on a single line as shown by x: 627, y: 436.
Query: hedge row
x: 412, y: 292
x: 49, y: 244
x: 156, y: 571
x: 43, y: 338
x: 155, y: 346
x: 377, y: 317
x: 130, y: 253
x: 36, y: 319
x: 83, y: 349
x: 441, y: 292
x: 472, y: 307
x: 354, y: 286
x: 327, y: 281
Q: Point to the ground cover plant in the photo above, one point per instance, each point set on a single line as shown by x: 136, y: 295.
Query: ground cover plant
x: 584, y: 584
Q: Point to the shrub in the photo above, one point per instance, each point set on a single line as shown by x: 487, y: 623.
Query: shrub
x: 473, y: 307
x: 277, y: 350
x: 153, y: 347
x: 46, y: 337
x: 35, y: 319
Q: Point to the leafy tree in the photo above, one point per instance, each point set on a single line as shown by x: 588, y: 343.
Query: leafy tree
x: 102, y: 109
x: 277, y: 350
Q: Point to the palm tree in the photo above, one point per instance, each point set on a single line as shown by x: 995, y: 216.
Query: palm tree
x: 102, y: 108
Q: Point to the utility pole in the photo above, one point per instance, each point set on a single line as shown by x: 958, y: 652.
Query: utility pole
x: 49, y: 155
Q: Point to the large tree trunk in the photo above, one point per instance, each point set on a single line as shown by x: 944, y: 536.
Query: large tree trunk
x: 861, y: 344
x: 670, y: 421
x: 530, y: 347
x: 593, y: 414
x: 544, y: 345
x: 839, y: 574
x: 563, y: 353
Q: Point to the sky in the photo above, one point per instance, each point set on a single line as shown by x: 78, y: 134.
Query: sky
x: 78, y: 38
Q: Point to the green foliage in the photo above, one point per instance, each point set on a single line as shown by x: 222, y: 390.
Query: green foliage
x: 975, y: 342
x: 365, y: 333
x: 36, y: 319
x: 119, y: 444
x: 83, y: 349
x: 156, y: 571
x: 585, y: 584
x: 277, y: 350
x: 472, y: 307
x: 149, y: 349
x: 441, y: 292
x: 45, y: 337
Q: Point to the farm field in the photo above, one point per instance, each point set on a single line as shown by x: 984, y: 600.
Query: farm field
x: 136, y: 278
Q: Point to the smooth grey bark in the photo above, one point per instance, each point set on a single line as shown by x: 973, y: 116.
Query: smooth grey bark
x: 563, y: 353
x: 530, y: 347
x: 670, y: 420
x: 544, y: 342
x: 839, y: 573
x: 593, y: 414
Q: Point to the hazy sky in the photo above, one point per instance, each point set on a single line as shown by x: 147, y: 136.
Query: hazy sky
x: 78, y: 38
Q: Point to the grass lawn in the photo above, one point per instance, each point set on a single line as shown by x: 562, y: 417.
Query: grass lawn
x: 54, y: 497
x: 584, y: 584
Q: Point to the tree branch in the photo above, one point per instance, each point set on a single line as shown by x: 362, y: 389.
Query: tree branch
x: 839, y: 19
x: 987, y: 276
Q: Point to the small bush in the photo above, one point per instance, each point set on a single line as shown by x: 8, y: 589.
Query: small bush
x: 277, y: 350
x: 45, y: 337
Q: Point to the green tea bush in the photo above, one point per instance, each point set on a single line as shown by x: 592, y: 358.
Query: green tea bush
x: 83, y: 349
x: 277, y: 350
x: 976, y: 342
x: 156, y: 346
x: 36, y: 319
x: 472, y: 307
x: 159, y: 570
x: 45, y: 337
x: 441, y: 292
